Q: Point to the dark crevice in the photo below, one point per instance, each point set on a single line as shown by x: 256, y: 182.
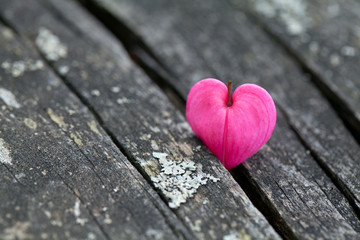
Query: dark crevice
x: 160, y: 77
x: 262, y: 202
x: 123, y: 150
x: 59, y: 16
x: 128, y: 38
x: 139, y: 52
x: 8, y: 25
x: 168, y: 222
x: 12, y: 174
x: 112, y: 136
x: 340, y: 185
x: 146, y: 59
x: 343, y: 110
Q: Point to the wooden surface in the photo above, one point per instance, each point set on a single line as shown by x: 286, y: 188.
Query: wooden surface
x: 94, y: 144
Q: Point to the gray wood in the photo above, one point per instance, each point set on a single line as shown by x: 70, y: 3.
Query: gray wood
x: 325, y: 41
x: 62, y: 177
x: 324, y: 37
x: 141, y: 121
x: 39, y: 211
x: 195, y: 40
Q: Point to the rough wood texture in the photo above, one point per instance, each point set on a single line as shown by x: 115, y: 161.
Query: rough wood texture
x: 193, y: 40
x: 61, y: 175
x: 141, y: 121
x: 324, y: 37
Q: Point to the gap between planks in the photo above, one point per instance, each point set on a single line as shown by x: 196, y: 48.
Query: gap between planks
x: 146, y: 59
x: 123, y: 150
x: 139, y: 52
x: 342, y: 110
x: 7, y: 24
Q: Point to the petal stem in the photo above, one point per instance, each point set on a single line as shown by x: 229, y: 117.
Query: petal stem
x: 230, y: 93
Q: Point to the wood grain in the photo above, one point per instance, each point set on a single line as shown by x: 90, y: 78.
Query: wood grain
x: 142, y: 123
x: 326, y: 45
x: 324, y: 38
x: 194, y: 40
x: 62, y: 177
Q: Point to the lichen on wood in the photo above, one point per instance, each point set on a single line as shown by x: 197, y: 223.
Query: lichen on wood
x: 179, y: 180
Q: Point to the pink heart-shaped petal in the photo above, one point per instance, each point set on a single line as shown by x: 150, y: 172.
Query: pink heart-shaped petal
x: 232, y: 133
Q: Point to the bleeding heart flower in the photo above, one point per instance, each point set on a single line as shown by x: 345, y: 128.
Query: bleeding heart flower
x: 233, y: 126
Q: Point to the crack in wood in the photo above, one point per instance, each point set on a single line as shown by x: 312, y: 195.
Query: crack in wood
x: 123, y: 150
x: 346, y: 114
x: 146, y: 59
x: 341, y: 186
x: 261, y: 202
x: 140, y: 53
x: 12, y: 174
x: 348, y: 117
x: 92, y: 164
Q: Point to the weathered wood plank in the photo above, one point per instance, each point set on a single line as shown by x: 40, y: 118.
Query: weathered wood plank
x: 324, y: 37
x: 44, y: 210
x: 142, y: 122
x: 71, y: 181
x: 194, y: 40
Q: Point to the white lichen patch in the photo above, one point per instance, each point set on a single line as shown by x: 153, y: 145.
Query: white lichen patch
x: 77, y: 208
x: 154, y: 145
x: 59, y: 120
x: 107, y: 219
x: 8, y: 98
x: 145, y: 137
x: 63, y: 70
x: 50, y: 45
x: 18, y: 68
x: 348, y: 51
x: 95, y: 92
x: 179, y: 180
x: 19, y: 175
x: 291, y: 13
x: 198, y: 148
x: 335, y: 59
x: 155, y: 129
x: 196, y: 226
x: 30, y: 123
x: 115, y: 89
x: 93, y: 127
x: 4, y: 153
x: 122, y: 100
x: 82, y: 221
